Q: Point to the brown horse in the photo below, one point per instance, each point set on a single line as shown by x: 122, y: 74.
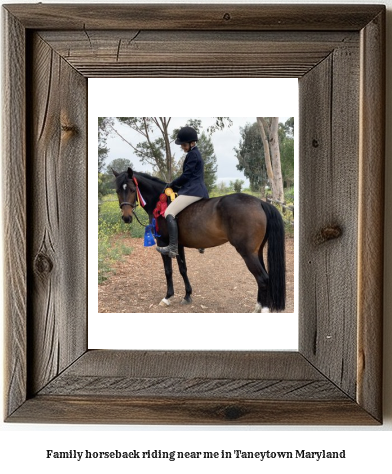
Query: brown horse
x: 243, y: 220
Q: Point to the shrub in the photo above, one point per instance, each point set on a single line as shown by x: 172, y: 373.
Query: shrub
x: 110, y: 229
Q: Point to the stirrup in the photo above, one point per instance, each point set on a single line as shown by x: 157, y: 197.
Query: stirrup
x: 173, y: 253
x: 169, y: 250
x: 172, y: 249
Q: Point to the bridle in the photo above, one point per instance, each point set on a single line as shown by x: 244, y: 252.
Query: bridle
x: 125, y: 203
x: 133, y: 205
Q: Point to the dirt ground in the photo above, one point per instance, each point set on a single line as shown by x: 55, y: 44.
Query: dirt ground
x: 220, y: 280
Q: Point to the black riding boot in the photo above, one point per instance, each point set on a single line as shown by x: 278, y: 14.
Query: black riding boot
x: 172, y: 248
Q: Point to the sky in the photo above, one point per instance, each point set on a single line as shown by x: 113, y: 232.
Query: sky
x: 224, y: 142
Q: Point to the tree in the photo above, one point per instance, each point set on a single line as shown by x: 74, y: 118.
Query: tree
x: 222, y: 188
x: 286, y: 143
x: 269, y: 133
x: 251, y: 153
x: 102, y: 152
x: 107, y: 181
x: 207, y: 151
x: 102, y: 147
x: 210, y: 162
x: 237, y: 185
x: 119, y: 165
x: 220, y: 124
x: 250, y: 156
x: 154, y: 150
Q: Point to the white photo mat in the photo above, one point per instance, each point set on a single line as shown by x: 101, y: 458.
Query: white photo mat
x: 167, y: 97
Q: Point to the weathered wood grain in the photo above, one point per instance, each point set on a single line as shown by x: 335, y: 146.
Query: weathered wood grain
x: 194, y: 17
x: 103, y: 409
x: 129, y: 53
x: 14, y: 211
x: 57, y: 207
x: 371, y: 215
x: 216, y: 70
x: 192, y: 387
x: 187, y: 387
x: 336, y: 376
x: 329, y: 202
x: 208, y: 364
x: 206, y: 374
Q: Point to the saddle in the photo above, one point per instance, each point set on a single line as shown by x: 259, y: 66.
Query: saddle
x: 164, y: 200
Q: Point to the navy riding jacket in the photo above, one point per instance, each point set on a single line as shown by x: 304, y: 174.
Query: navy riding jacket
x: 191, y: 181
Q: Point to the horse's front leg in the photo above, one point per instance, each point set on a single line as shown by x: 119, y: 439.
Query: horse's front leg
x: 167, y: 263
x: 183, y: 270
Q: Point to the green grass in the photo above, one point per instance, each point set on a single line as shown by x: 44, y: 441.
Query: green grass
x: 110, y: 227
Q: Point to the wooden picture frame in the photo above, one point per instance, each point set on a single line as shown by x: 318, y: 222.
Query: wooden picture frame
x: 338, y: 54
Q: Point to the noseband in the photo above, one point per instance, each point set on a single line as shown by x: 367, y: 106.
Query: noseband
x: 134, y: 205
x: 126, y: 203
x: 138, y: 199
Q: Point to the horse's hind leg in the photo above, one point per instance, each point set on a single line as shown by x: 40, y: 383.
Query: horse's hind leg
x: 256, y: 267
x: 167, y: 263
x: 183, y: 270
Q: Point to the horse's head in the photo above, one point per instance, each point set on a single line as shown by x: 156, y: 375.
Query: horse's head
x: 126, y: 192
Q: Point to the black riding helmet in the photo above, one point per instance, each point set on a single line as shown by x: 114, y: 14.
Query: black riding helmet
x: 186, y: 135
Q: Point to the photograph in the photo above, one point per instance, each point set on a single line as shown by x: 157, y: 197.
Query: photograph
x: 196, y: 215
x: 218, y: 298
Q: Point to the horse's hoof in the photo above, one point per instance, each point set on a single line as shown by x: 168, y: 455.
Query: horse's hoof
x: 165, y: 302
x: 186, y: 301
x: 260, y: 309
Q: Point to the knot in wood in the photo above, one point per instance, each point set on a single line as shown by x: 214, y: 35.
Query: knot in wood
x: 315, y: 143
x: 227, y: 16
x: 232, y: 413
x: 68, y: 128
x: 43, y: 264
x: 328, y: 233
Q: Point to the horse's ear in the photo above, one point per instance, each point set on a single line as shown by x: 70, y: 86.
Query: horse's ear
x: 130, y: 173
x: 115, y: 172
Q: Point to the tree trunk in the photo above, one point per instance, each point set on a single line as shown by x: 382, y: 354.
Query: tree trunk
x: 169, y: 158
x: 263, y: 125
x: 275, y: 159
x: 269, y: 136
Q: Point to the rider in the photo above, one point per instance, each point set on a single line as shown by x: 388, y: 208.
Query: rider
x: 191, y: 183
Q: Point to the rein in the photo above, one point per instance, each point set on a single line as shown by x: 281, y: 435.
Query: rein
x: 139, y: 200
x: 134, y: 206
x: 141, y: 223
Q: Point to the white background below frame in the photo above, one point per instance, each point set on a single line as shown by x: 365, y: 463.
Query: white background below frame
x: 185, y: 331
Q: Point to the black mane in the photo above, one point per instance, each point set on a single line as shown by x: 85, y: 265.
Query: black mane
x: 123, y: 178
x: 147, y: 176
x: 150, y: 187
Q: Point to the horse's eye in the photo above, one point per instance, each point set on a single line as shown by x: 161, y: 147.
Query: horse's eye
x: 124, y: 187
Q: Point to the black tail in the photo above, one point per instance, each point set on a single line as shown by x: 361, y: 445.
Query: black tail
x: 276, y: 257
